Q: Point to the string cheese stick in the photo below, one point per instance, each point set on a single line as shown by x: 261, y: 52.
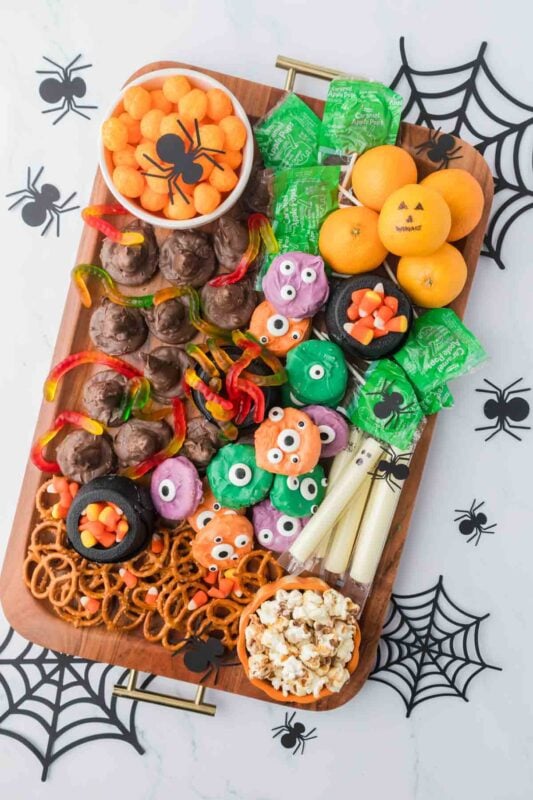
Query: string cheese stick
x: 344, y: 535
x: 331, y: 507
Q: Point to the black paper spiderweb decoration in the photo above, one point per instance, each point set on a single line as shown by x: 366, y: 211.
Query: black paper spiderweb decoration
x: 469, y: 102
x: 57, y: 702
x: 429, y: 648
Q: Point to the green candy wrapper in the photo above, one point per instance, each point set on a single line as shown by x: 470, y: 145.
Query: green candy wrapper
x: 438, y: 349
x: 358, y: 115
x: 288, y: 135
x: 435, y: 400
x: 386, y: 406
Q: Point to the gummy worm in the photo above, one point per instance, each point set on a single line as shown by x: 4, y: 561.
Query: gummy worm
x: 92, y: 215
x: 111, y: 291
x: 136, y: 397
x: 201, y: 357
x: 259, y: 228
x: 218, y: 406
x: 194, y: 309
x: 86, y: 357
x: 236, y: 384
x: 173, y: 447
x: 224, y: 362
x: 65, y: 418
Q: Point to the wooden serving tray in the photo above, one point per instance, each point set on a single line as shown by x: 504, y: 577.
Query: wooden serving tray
x: 36, y: 622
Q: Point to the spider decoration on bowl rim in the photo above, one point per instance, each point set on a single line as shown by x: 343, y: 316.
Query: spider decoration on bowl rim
x: 440, y: 149
x: 390, y: 405
x: 473, y: 523
x: 392, y: 469
x: 41, y: 203
x: 505, y: 409
x: 293, y: 734
x: 171, y: 148
x: 63, y: 87
x: 204, y: 655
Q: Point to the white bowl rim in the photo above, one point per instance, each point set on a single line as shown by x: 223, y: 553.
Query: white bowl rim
x: 247, y: 155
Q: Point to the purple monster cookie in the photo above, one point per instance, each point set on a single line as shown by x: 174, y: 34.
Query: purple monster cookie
x: 334, y: 430
x: 296, y: 285
x: 176, y: 489
x: 273, y: 529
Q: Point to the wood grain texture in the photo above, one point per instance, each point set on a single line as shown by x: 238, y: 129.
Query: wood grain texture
x: 33, y: 619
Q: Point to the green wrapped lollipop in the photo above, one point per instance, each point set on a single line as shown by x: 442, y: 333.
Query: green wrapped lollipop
x: 288, y: 135
x: 235, y: 479
x: 317, y: 373
x: 299, y: 496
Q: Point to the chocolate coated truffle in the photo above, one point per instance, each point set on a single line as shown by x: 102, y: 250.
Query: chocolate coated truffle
x: 117, y: 330
x: 187, y: 258
x: 139, y: 439
x: 202, y: 442
x: 169, y: 322
x: 103, y: 395
x: 230, y: 306
x: 135, y: 264
x: 230, y: 240
x: 82, y: 456
x: 164, y: 367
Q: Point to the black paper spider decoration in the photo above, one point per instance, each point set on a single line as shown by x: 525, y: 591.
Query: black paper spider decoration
x: 392, y: 469
x: 52, y: 703
x: 486, y: 115
x: 294, y: 734
x: 63, y: 87
x: 391, y: 404
x: 440, y: 149
x: 473, y: 522
x: 41, y: 203
x: 429, y: 648
x: 204, y: 655
x: 183, y: 163
x: 506, y: 409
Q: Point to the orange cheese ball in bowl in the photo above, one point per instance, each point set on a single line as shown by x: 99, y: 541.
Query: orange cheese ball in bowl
x: 133, y: 126
x: 193, y: 105
x: 114, y: 134
x: 153, y: 201
x: 128, y: 181
x: 218, y: 105
x: 171, y: 124
x: 137, y: 101
x: 125, y: 157
x: 175, y: 87
x: 151, y: 123
x: 206, y: 198
x: 223, y: 178
x: 179, y: 209
x: 212, y: 137
x: 234, y: 133
x: 231, y: 157
x: 160, y: 101
x: 146, y: 148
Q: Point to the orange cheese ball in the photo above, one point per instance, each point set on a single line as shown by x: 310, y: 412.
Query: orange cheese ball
x: 179, y: 209
x: 119, y: 109
x: 160, y: 101
x: 231, y: 157
x: 157, y: 185
x: 151, y: 123
x: 114, y: 134
x: 171, y: 124
x: 153, y: 201
x: 137, y: 101
x: 128, y: 181
x: 234, y: 133
x: 125, y: 157
x: 207, y: 167
x: 224, y: 179
x: 133, y: 126
x: 146, y: 148
x: 218, y: 104
x: 193, y: 105
x: 176, y: 87
x: 206, y: 198
x: 211, y: 137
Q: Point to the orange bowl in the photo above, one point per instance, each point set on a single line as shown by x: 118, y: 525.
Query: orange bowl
x: 265, y: 593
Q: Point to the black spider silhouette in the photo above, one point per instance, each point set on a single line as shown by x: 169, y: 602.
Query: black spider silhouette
x: 504, y: 410
x: 204, y: 655
x: 390, y: 405
x: 64, y: 87
x: 171, y: 148
x: 40, y: 203
x: 473, y: 522
x: 293, y: 734
x: 392, y: 468
x: 440, y: 149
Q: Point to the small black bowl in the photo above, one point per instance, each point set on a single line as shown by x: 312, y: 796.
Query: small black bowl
x: 258, y: 367
x: 135, y: 502
x: 340, y: 299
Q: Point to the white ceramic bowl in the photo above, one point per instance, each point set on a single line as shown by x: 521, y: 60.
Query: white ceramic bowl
x: 154, y: 80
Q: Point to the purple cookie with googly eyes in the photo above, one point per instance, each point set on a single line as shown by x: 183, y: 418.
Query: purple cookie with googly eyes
x: 176, y: 488
x: 334, y: 430
x: 273, y: 529
x: 296, y: 285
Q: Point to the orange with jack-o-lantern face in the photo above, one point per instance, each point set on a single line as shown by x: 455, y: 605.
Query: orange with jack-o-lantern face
x: 223, y: 542
x: 277, y: 333
x: 288, y: 442
x: 414, y: 221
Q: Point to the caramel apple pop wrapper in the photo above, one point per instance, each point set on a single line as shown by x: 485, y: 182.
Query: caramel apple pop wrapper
x: 294, y: 559
x: 345, y: 534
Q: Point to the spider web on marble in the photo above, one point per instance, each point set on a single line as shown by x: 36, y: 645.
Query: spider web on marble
x: 468, y: 101
x: 429, y: 648
x: 52, y: 703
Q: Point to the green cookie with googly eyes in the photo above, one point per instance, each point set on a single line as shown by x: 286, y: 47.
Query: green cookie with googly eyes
x: 299, y: 496
x: 235, y: 479
x: 317, y: 373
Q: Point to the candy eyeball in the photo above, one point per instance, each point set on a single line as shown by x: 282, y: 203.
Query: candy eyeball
x: 334, y: 430
x: 223, y: 542
x: 208, y: 509
x: 275, y: 414
x: 280, y: 446
x: 299, y: 497
x: 296, y: 284
x: 276, y: 331
x: 316, y: 372
x: 236, y: 479
x: 274, y: 529
x: 167, y: 490
x: 175, y: 488
x: 277, y: 325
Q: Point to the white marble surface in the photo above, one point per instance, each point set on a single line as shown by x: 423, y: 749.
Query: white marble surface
x: 448, y: 749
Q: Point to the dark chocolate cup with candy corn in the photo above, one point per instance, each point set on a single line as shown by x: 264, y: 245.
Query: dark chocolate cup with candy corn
x: 368, y: 316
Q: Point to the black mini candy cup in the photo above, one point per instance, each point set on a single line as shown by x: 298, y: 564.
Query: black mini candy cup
x: 135, y: 502
x: 336, y: 315
x: 258, y: 367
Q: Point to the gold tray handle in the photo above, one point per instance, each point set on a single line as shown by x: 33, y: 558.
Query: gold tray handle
x: 130, y: 691
x: 295, y: 67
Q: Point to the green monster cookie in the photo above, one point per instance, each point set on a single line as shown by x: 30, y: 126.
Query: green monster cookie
x: 299, y: 496
x: 317, y: 373
x: 235, y: 479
